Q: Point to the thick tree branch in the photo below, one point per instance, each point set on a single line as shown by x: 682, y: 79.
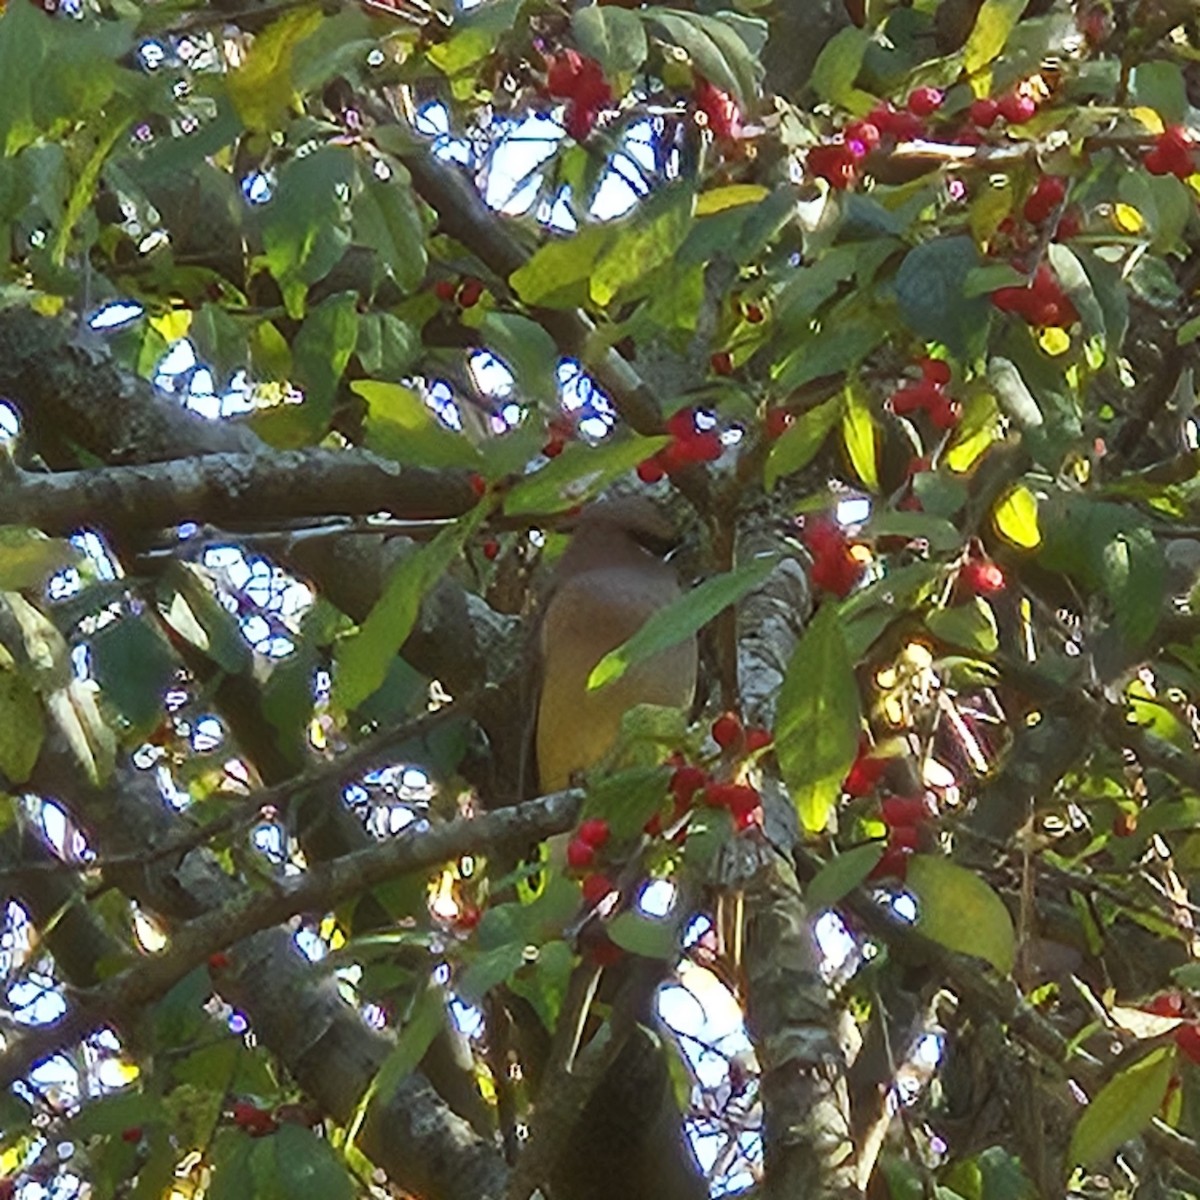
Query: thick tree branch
x: 229, y: 489
x: 319, y: 889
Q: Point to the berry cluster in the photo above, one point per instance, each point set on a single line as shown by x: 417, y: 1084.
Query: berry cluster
x: 865, y: 772
x: 1172, y: 154
x: 720, y: 110
x: 734, y: 738
x: 1015, y: 107
x: 466, y: 294
x: 580, y: 81
x: 591, y: 836
x: 903, y: 816
x: 257, y: 1122
x: 1042, y: 302
x: 835, y: 567
x: 928, y: 395
x: 688, y: 445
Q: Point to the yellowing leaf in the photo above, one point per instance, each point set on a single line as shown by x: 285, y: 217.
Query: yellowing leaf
x: 1127, y: 218
x: 1016, y: 518
x: 734, y: 196
x: 1149, y: 117
x: 992, y: 26
x: 861, y: 436
x: 262, y: 86
x: 960, y: 911
x: 46, y: 305
x: 1054, y: 341
x: 1122, y: 1108
x: 173, y: 325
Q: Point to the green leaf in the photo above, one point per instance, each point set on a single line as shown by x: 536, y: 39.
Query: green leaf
x: 400, y: 426
x: 1134, y: 573
x: 488, y: 970
x: 116, y: 1113
x: 28, y: 557
x: 971, y: 625
x: 799, y: 443
x: 1122, y: 1108
x: 680, y: 619
x: 643, y: 242
x: 651, y: 937
x: 819, y: 719
x: 1158, y: 84
x: 838, y: 65
x: 861, y: 436
x: 387, y: 347
x: 579, y: 473
x: 261, y: 86
x: 1075, y: 282
x: 720, y: 56
x: 134, y: 666
x: 222, y: 343
x: 230, y: 1159
x: 846, y: 337
x: 544, y: 981
x: 842, y: 874
x: 526, y: 349
x: 321, y: 351
x: 306, y: 223
x: 993, y: 24
x: 362, y: 658
x: 960, y: 911
x: 557, y: 275
x: 386, y: 219
x: 931, y: 287
x: 196, y: 614
x: 627, y: 799
x: 942, y: 535
x: 296, y: 1162
x: 614, y: 37
x: 424, y: 1022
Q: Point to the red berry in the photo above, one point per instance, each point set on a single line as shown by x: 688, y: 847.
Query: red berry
x: 893, y: 864
x: 491, y: 548
x: 983, y: 112
x: 571, y: 76
x: 681, y: 425
x: 579, y: 120
x: 1069, y: 225
x: 1187, y: 1038
x: 982, y: 578
x: 579, y: 854
x: 470, y: 292
x: 132, y: 1134
x: 864, y: 775
x: 604, y: 952
x: 554, y: 446
x: 754, y: 314
x: 675, y: 457
x: 862, y: 134
x: 703, y: 447
x: 8, y: 1188
x: 913, y: 398
x: 1165, y: 1004
x: 594, y: 831
x: 727, y: 730
x: 925, y: 101
x: 654, y: 827
x: 685, y: 783
x: 835, y: 163
x: 757, y: 739
x: 1124, y: 824
x: 254, y: 1120
x: 903, y: 837
x: 943, y: 413
x: 478, y: 484
x: 218, y: 961
x: 596, y: 887
x: 1016, y: 108
x: 777, y: 422
x: 719, y: 108
x: 935, y: 371
x: 738, y: 798
x: 650, y: 471
x: 837, y: 574
x: 1048, y: 193
x: 722, y: 363
x: 468, y: 917
x: 902, y: 811
x: 445, y: 290
x: 744, y: 820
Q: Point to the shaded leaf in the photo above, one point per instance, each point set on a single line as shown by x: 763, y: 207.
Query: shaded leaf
x: 931, y: 286
x: 362, y: 658
x: 387, y: 220
x: 971, y: 625
x: 28, y: 557
x: 614, y: 37
x: 651, y: 937
x: 800, y: 442
x: 579, y: 473
x: 842, y: 874
x: 134, y: 666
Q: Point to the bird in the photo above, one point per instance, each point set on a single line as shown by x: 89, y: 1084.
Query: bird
x: 609, y: 581
x: 612, y: 577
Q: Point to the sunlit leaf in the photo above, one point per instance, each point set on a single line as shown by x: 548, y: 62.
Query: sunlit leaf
x: 800, y: 442
x: 1016, y: 518
x: 818, y: 723
x: 1122, y: 1108
x: 861, y: 436
x: 958, y: 909
x: 994, y: 21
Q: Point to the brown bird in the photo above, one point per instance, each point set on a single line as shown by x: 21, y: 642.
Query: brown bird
x: 609, y: 581
x: 629, y: 1140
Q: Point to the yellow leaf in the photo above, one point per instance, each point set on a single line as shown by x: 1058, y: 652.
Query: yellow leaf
x: 1054, y: 341
x: 46, y: 305
x: 1016, y: 518
x: 173, y: 325
x: 860, y: 434
x: 1148, y: 117
x: 262, y: 86
x: 1127, y: 218
x: 734, y: 196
